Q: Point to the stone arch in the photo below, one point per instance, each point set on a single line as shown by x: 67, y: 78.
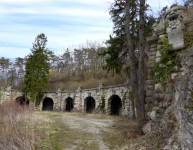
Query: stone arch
x: 89, y: 104
x: 115, y: 105
x: 48, y: 104
x: 21, y: 100
x: 69, y: 104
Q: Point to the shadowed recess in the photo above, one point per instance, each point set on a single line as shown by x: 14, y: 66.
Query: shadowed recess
x: 116, y: 105
x: 48, y: 104
x: 90, y: 104
x: 69, y: 104
x: 21, y: 100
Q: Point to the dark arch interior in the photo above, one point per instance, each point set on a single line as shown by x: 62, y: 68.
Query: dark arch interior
x: 69, y: 104
x: 21, y: 100
x: 90, y: 105
x: 48, y: 104
x: 115, y: 105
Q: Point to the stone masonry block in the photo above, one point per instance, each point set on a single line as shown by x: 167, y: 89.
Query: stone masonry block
x: 150, y: 87
x: 158, y: 54
x: 157, y: 59
x: 159, y: 88
x: 150, y: 64
x: 161, y: 36
x: 149, y: 99
x: 159, y: 47
x: 150, y: 93
x: 153, y: 46
x: 150, y: 77
x: 152, y: 58
x: 152, y: 53
x: 152, y: 49
x: 150, y: 72
x: 150, y: 82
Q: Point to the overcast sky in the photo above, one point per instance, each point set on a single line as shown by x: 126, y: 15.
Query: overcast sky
x: 64, y: 22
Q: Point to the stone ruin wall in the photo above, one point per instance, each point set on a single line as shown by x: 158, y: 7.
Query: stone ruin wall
x: 177, y: 97
x: 79, y: 97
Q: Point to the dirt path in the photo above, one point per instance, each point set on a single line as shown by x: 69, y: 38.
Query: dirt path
x: 89, y: 125
x: 78, y: 131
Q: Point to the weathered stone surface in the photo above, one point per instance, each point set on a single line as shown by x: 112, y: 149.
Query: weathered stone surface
x: 152, y: 53
x: 152, y: 58
x: 173, y: 76
x: 158, y: 54
x: 159, y: 88
x: 153, y: 115
x: 80, y: 97
x: 169, y: 88
x: 168, y: 97
x: 159, y: 29
x: 147, y: 127
x: 175, y: 27
x: 150, y: 87
x: 160, y: 105
x: 152, y: 49
x: 153, y: 46
x: 152, y: 40
x: 161, y: 36
x: 150, y: 92
x: 157, y: 59
x: 150, y: 71
x: 155, y: 103
x: 159, y: 96
x: 149, y: 99
x: 150, y: 77
x: 161, y: 110
x: 150, y: 64
x: 150, y: 82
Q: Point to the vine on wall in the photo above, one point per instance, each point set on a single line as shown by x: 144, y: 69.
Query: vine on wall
x: 124, y: 99
x: 101, y: 105
x: 188, y: 38
x: 165, y: 67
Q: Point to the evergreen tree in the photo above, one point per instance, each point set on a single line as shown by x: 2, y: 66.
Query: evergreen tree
x: 117, y: 52
x: 131, y: 26
x: 37, y: 68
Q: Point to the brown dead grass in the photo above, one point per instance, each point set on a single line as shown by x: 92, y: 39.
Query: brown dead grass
x: 89, y: 81
x: 16, y: 127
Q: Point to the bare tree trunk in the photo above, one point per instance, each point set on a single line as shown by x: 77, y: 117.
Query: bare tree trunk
x: 133, y: 70
x: 141, y: 63
x: 34, y: 101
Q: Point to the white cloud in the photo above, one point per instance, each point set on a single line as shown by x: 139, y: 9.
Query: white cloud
x: 64, y: 22
x: 60, y: 11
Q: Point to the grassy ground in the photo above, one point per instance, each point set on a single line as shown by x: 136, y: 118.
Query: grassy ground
x: 56, y: 134
x: 23, y: 129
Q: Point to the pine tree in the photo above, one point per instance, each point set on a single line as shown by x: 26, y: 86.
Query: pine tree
x: 37, y: 68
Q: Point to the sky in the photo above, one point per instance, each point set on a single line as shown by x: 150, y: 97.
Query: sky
x: 66, y: 23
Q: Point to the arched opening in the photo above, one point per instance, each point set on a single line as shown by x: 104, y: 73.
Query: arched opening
x: 21, y: 100
x: 69, y: 104
x: 90, y: 104
x: 116, y: 105
x: 48, y: 104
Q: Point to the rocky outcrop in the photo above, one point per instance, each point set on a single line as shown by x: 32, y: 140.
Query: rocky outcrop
x: 171, y: 103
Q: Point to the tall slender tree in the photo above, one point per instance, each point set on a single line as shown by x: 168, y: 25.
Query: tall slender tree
x: 37, y: 68
x: 131, y: 25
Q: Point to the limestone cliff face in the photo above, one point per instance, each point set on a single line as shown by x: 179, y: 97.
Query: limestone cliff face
x: 183, y: 102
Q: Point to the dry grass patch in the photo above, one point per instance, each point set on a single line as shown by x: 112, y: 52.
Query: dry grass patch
x: 16, y: 127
